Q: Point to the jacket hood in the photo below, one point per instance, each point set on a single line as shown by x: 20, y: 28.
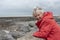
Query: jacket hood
x: 48, y: 15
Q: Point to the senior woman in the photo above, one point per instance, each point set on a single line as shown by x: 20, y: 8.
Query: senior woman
x: 48, y: 28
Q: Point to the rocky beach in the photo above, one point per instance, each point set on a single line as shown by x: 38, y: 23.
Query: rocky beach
x: 19, y: 28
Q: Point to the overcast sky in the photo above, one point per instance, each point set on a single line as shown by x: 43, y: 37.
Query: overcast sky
x: 24, y: 7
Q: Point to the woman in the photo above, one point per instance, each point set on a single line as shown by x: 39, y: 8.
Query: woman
x: 48, y: 28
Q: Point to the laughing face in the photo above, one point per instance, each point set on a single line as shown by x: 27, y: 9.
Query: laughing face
x: 37, y: 16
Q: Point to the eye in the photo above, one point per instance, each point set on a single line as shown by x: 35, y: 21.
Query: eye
x: 38, y: 14
x: 35, y: 16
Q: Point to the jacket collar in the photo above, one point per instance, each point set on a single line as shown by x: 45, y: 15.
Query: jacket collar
x: 47, y: 15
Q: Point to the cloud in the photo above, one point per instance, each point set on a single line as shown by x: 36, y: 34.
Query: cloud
x: 24, y: 7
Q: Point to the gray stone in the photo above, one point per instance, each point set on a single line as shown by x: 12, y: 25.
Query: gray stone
x: 29, y: 36
x: 5, y: 36
x: 16, y: 34
x: 23, y: 28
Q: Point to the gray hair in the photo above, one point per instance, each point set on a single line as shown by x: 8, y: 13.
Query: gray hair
x: 37, y: 9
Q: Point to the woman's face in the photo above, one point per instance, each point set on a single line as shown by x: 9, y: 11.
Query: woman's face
x: 38, y: 15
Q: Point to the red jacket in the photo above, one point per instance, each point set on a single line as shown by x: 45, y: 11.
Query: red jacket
x: 47, y: 28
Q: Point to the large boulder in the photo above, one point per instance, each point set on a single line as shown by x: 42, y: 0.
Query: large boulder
x: 4, y: 35
x: 16, y: 34
x: 29, y: 36
x: 23, y: 28
x: 32, y: 25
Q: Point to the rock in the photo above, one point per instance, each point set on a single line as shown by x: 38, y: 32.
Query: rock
x: 6, y: 23
x: 31, y: 24
x: 16, y: 31
x: 6, y: 31
x: 23, y: 28
x: 29, y: 36
x: 16, y: 34
x: 5, y: 36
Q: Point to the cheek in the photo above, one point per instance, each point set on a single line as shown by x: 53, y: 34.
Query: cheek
x: 40, y: 15
x: 37, y: 17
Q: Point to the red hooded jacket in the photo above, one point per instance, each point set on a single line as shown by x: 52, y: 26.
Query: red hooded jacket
x: 47, y: 28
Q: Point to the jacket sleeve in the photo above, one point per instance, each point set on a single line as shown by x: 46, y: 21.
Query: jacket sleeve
x: 43, y: 31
